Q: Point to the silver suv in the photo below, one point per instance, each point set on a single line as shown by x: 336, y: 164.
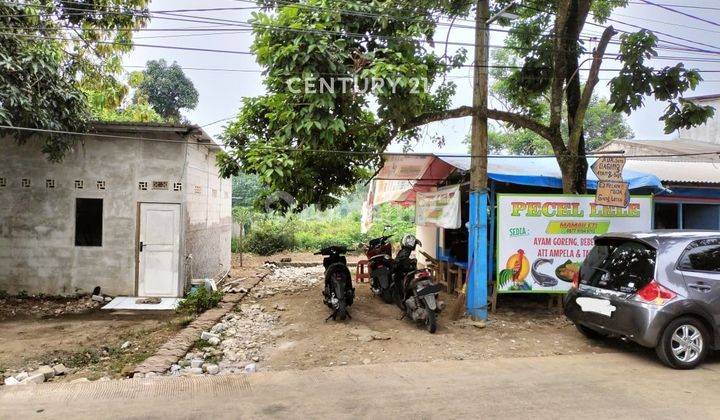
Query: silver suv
x: 659, y: 289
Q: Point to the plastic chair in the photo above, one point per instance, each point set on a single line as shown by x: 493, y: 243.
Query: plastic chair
x: 362, y: 272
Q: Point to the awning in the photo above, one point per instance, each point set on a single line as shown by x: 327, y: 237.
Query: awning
x: 545, y: 172
x: 403, y: 176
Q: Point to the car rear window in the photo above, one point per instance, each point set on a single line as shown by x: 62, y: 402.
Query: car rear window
x: 619, y: 265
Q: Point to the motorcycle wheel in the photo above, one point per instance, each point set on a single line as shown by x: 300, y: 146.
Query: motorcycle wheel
x: 341, y: 313
x: 387, y: 296
x: 431, y: 321
x: 397, y: 297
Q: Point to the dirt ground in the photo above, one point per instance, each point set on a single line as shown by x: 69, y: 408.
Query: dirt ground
x: 522, y: 327
x: 88, y: 342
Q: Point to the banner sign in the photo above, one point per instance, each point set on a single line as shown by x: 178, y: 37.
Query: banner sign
x: 543, y: 239
x: 440, y: 208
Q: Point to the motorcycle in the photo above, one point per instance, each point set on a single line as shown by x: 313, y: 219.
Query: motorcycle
x: 379, y: 255
x: 417, y: 293
x: 339, y: 292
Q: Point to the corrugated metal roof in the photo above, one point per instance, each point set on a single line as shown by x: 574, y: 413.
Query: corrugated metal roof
x: 666, y: 148
x: 678, y: 171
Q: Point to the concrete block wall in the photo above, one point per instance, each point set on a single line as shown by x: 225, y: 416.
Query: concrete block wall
x: 37, y: 223
x: 208, y: 214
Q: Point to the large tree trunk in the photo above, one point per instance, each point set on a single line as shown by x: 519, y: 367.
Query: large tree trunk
x: 577, y: 177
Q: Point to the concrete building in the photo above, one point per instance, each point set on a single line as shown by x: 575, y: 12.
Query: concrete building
x: 710, y: 131
x: 137, y: 209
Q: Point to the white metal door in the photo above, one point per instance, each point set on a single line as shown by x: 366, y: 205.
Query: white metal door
x: 159, y: 250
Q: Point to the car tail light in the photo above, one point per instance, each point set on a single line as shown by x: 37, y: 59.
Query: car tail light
x: 576, y: 280
x: 653, y: 292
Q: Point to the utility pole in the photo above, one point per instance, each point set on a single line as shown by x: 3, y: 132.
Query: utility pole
x: 478, y: 229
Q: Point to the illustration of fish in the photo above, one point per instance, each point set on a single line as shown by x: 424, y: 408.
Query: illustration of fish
x: 543, y: 280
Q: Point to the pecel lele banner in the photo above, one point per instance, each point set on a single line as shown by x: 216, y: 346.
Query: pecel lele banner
x: 543, y: 239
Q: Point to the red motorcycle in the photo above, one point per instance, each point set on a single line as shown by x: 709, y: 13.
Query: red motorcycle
x: 380, y: 267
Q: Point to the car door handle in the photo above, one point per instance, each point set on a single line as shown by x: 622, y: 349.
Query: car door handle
x: 142, y: 245
x: 700, y: 287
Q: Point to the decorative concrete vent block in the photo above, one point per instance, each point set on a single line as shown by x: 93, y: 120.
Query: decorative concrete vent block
x: 101, y: 185
x: 49, y: 183
x: 142, y: 185
x: 79, y: 184
x: 214, y: 193
x: 25, y: 183
x: 198, y: 189
x: 159, y: 185
x: 3, y: 182
x: 177, y: 186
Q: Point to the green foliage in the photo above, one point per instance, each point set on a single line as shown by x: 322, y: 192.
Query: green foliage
x: 637, y: 80
x: 166, y: 88
x: 602, y: 124
x: 269, y: 235
x: 199, y: 300
x: 311, y: 230
x: 46, y: 48
x: 362, y: 121
x: 401, y: 221
x: 246, y: 189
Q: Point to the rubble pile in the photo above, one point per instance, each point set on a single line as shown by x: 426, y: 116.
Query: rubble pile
x: 288, y: 279
x: 37, y: 376
x: 39, y: 307
x: 236, y: 343
x: 233, y: 345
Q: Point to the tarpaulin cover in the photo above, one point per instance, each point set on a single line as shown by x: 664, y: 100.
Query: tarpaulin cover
x: 545, y: 172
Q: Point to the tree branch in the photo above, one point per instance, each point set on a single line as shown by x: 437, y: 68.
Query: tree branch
x: 559, y: 51
x: 592, y: 80
x: 515, y: 120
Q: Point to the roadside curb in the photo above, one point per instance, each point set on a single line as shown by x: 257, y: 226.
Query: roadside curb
x: 176, y: 348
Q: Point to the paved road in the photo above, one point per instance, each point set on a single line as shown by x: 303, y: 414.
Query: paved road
x: 584, y: 386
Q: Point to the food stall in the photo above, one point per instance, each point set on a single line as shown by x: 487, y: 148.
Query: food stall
x: 529, y: 247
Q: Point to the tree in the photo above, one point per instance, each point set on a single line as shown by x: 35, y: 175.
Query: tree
x: 602, y: 124
x: 166, y: 88
x: 245, y: 190
x: 314, y: 143
x: 49, y: 50
x: 108, y: 102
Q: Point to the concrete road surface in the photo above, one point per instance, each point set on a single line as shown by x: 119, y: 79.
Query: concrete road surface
x: 632, y: 386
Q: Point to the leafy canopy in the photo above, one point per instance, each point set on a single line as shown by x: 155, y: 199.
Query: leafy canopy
x: 49, y: 50
x: 315, y: 144
x: 602, y: 125
x: 166, y: 88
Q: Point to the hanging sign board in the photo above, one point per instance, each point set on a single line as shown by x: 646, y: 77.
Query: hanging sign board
x: 611, y: 190
x: 543, y: 239
x: 609, y: 168
x: 440, y: 208
x: 614, y: 194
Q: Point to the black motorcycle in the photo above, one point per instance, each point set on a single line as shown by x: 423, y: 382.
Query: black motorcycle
x: 380, y: 265
x: 416, y: 292
x: 338, y: 293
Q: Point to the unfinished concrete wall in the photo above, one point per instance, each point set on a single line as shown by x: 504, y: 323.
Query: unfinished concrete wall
x: 209, y: 220
x: 708, y: 132
x: 37, y: 216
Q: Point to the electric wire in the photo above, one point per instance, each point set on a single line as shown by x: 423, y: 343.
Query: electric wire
x: 357, y: 152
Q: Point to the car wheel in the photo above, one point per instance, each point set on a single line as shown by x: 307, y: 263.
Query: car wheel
x: 590, y: 333
x: 683, y: 344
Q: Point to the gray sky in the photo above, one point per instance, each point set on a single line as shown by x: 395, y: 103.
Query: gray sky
x: 221, y: 92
